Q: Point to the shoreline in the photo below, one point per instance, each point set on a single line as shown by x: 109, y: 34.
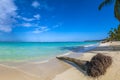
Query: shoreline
x: 54, y: 69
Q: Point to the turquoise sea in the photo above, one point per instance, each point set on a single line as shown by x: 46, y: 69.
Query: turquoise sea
x: 25, y: 51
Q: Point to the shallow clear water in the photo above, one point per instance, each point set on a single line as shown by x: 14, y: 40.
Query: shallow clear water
x: 23, y: 51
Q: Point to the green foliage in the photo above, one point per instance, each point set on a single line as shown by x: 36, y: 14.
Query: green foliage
x: 116, y: 7
x: 114, y: 34
x: 105, y: 2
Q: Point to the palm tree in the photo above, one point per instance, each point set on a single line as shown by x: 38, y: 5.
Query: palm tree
x: 118, y: 33
x: 115, y: 31
x: 112, y: 35
x: 116, y: 7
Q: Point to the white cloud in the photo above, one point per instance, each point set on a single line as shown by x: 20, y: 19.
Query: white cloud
x: 5, y: 28
x: 57, y: 25
x: 35, y: 4
x: 25, y: 18
x: 7, y: 15
x: 27, y: 25
x: 28, y: 19
x: 41, y: 29
x: 37, y: 16
x: 42, y: 5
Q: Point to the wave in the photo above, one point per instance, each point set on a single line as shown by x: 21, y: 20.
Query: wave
x: 40, y: 62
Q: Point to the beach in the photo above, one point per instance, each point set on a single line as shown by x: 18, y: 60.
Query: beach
x: 59, y: 70
x: 59, y: 39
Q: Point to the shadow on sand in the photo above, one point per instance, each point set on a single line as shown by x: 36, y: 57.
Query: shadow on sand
x: 74, y: 48
x: 107, y: 48
x: 76, y: 66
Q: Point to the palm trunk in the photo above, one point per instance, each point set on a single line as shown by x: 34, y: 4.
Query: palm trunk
x: 80, y: 63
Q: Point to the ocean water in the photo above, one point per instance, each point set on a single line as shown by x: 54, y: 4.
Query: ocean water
x: 25, y: 51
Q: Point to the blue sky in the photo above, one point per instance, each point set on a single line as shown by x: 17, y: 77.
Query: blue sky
x: 54, y: 20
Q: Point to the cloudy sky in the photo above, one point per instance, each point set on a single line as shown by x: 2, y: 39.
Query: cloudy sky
x: 54, y: 20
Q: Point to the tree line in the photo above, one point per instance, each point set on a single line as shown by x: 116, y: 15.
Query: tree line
x: 114, y: 34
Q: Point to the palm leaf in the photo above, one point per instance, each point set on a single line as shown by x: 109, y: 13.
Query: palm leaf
x: 105, y: 2
x: 117, y: 9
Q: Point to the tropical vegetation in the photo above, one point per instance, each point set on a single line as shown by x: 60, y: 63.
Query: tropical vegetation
x: 114, y: 33
x: 116, y: 7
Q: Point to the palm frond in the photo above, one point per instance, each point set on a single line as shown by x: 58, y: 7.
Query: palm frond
x: 105, y: 2
x: 117, y: 9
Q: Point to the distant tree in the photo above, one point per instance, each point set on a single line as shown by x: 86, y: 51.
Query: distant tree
x: 115, y: 31
x: 114, y: 34
x: 116, y: 7
x: 118, y: 33
x: 111, y: 35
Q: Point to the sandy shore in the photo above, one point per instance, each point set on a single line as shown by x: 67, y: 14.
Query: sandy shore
x: 59, y: 70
